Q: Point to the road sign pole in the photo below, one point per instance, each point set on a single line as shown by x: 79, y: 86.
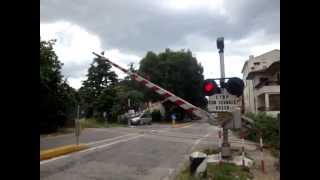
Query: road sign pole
x: 225, y: 149
x: 221, y: 66
x: 77, y: 125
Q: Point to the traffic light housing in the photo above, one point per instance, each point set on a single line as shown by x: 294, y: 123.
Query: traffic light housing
x: 210, y: 87
x: 234, y: 86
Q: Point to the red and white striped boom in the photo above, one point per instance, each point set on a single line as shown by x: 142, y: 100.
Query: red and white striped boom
x: 166, y: 94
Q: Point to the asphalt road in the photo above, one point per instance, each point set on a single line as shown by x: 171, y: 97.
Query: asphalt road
x: 142, y: 152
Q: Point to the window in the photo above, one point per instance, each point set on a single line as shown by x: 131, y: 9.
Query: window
x: 256, y: 63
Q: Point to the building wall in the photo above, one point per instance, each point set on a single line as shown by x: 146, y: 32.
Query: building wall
x: 248, y: 93
x: 251, y: 100
x: 158, y: 106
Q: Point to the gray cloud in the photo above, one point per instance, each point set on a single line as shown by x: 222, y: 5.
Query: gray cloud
x: 142, y: 25
x: 74, y: 70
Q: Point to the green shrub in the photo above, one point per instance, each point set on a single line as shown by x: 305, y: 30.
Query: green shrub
x: 269, y: 128
x: 90, y: 123
x: 228, y: 171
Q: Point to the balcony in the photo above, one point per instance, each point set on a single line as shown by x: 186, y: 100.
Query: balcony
x: 270, y: 87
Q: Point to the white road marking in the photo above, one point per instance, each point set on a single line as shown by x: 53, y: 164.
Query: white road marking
x: 53, y: 159
x: 91, y: 149
x: 109, y: 139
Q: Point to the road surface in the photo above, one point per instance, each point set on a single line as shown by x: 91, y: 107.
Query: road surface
x: 124, y: 153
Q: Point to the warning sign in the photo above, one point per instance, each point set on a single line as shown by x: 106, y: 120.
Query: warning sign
x: 223, y: 103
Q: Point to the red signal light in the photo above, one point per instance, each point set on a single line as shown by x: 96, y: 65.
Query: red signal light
x: 210, y: 87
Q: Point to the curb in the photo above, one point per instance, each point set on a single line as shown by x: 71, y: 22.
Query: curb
x: 181, y: 125
x: 54, y: 152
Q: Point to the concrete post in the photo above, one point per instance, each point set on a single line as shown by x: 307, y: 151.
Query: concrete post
x: 225, y: 149
x: 266, y: 99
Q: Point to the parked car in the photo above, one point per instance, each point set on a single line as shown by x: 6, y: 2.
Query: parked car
x: 144, y: 118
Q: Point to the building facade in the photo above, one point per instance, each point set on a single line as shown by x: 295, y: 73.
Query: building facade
x: 261, y: 76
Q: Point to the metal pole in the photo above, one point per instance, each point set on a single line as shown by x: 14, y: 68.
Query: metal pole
x: 221, y: 66
x: 225, y: 149
x: 242, y: 149
x: 128, y: 116
x: 78, y: 125
x: 220, y: 45
x: 261, y: 151
x: 220, y: 144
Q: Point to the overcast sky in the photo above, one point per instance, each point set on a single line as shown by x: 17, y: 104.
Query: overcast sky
x: 127, y: 29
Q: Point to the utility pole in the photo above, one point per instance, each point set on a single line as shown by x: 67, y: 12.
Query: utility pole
x: 129, y: 121
x: 77, y: 125
x: 225, y: 149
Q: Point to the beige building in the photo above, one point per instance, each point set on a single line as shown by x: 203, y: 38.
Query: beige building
x: 261, y: 76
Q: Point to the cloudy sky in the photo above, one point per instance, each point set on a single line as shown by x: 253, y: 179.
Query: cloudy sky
x: 127, y: 29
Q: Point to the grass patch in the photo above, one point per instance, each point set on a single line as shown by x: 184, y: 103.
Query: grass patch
x: 228, y: 171
x: 224, y: 171
x: 59, y: 131
x: 210, y: 151
x: 94, y: 123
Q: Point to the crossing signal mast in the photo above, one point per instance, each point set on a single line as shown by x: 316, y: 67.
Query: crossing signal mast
x: 223, y: 100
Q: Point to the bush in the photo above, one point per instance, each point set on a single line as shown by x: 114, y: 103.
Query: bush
x: 91, y: 123
x: 269, y: 128
x: 156, y: 115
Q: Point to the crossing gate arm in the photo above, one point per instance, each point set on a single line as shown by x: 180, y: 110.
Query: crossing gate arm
x: 165, y: 93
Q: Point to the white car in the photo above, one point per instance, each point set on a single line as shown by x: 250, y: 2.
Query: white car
x: 144, y: 118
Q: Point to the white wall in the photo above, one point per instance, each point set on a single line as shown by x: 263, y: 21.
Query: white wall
x: 265, y: 60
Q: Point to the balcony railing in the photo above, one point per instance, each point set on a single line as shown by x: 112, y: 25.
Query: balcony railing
x: 267, y: 83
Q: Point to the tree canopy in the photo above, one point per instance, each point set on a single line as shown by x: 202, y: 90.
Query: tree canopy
x: 176, y: 71
x: 97, y: 93
x: 57, y: 98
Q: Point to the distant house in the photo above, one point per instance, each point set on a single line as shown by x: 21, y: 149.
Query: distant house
x: 261, y: 76
x: 157, y: 106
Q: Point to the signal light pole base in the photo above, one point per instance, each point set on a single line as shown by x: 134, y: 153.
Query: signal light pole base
x: 226, y: 151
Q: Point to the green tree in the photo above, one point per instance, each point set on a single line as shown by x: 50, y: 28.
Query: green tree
x: 176, y: 71
x: 127, y: 89
x: 57, y: 98
x: 97, y: 94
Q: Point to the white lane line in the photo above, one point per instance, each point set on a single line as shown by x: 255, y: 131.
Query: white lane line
x: 109, y: 139
x: 88, y: 150
x: 109, y: 144
x: 53, y: 159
